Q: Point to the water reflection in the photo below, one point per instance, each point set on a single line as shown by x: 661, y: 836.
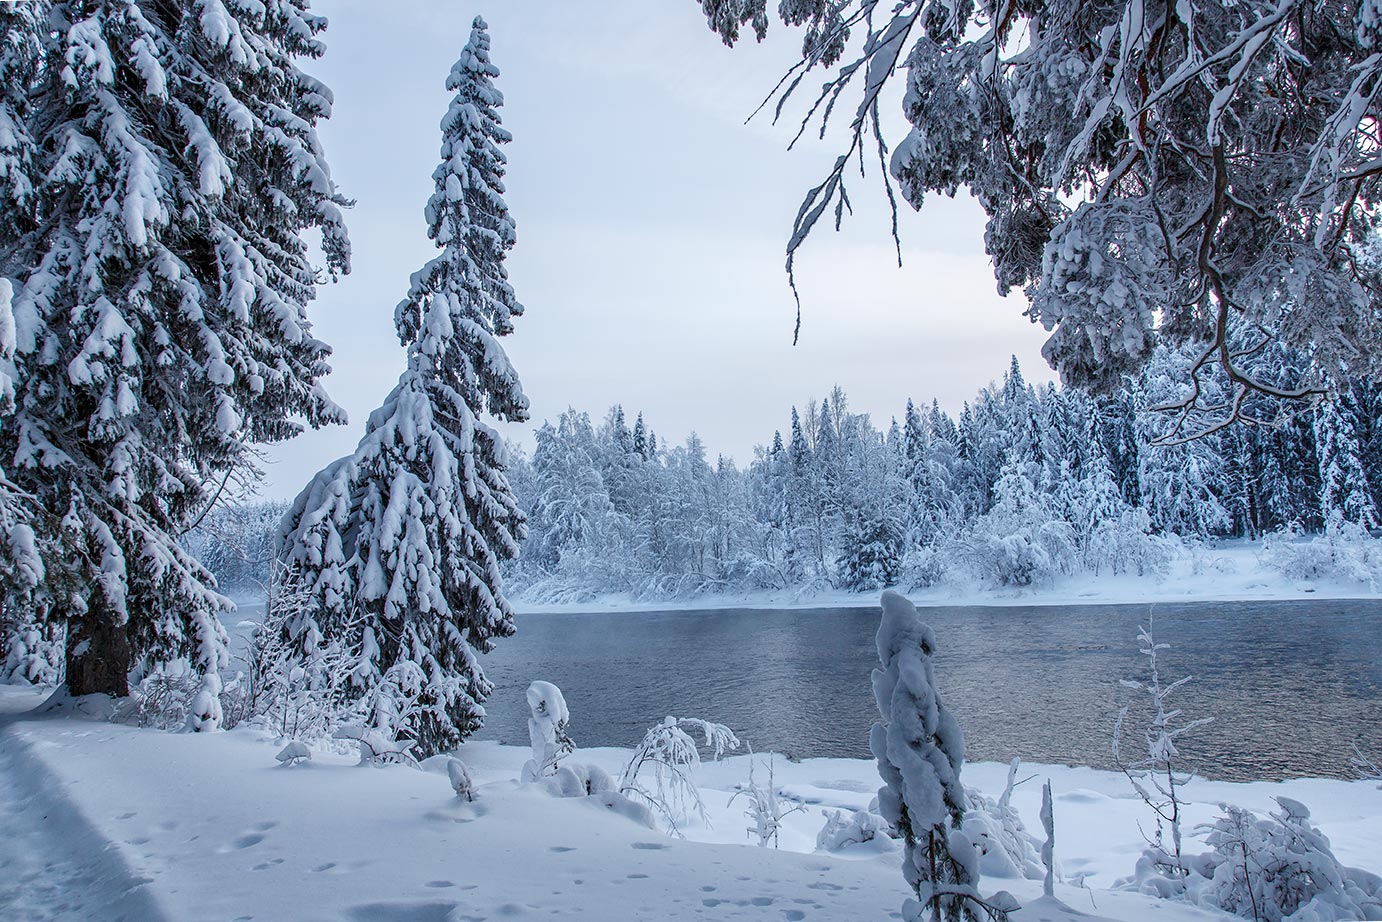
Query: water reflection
x: 1290, y: 685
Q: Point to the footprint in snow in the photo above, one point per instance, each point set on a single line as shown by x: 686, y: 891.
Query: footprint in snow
x: 403, y: 912
x: 560, y: 849
x: 439, y: 884
x: 247, y: 840
x: 794, y: 915
x: 649, y: 846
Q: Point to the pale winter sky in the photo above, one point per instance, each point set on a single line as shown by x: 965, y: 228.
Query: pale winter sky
x: 651, y: 230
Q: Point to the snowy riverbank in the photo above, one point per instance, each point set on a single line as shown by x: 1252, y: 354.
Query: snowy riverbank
x: 148, y: 825
x: 1228, y: 571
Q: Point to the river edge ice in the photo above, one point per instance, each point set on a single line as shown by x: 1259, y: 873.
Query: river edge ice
x: 143, y: 824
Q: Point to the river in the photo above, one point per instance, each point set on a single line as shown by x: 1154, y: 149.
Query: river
x: 1290, y: 685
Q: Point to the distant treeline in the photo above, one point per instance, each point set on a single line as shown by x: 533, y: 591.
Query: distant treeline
x: 1025, y: 483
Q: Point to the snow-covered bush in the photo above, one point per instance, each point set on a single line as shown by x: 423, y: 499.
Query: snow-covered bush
x: 204, y: 714
x: 671, y: 755
x: 459, y: 776
x: 923, y: 567
x: 1021, y: 541
x: 767, y: 806
x: 1269, y: 870
x: 295, y: 753
x: 547, y: 720
x: 161, y: 700
x: 1127, y: 545
x: 296, y: 684
x: 920, y: 749
x: 375, y: 747
x: 577, y: 779
x: 1006, y: 848
x: 34, y: 653
x: 1158, y: 775
x: 843, y: 830
x: 1344, y: 552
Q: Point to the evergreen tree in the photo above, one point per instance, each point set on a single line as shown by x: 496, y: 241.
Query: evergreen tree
x: 1344, y: 488
x: 161, y: 322
x: 431, y: 511
x: 920, y: 750
x: 640, y: 438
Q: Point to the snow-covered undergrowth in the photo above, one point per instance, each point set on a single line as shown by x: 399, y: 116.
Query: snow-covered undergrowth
x: 233, y: 834
x: 1283, y: 567
x: 1344, y: 553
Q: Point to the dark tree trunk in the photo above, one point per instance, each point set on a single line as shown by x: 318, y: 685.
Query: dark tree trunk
x: 98, y: 654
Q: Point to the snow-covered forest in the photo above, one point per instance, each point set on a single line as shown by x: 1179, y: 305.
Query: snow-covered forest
x: 1026, y: 485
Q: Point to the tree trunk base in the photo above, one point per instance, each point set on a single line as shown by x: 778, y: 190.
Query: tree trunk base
x: 98, y: 656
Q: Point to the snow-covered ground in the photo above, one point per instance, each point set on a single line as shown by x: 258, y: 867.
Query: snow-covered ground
x: 1227, y: 571
x: 104, y: 821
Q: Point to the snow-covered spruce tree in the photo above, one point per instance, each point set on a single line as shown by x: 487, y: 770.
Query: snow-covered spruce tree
x: 160, y: 320
x: 920, y: 749
x: 1344, y: 490
x: 1170, y: 173
x: 404, y: 538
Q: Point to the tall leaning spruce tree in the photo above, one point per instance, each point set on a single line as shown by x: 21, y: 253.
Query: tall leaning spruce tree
x: 161, y: 283
x: 400, y: 544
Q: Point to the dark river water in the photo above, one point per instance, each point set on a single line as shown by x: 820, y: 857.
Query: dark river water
x: 1290, y: 685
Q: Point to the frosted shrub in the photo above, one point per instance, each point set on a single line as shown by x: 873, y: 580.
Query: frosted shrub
x: 1345, y: 552
x: 920, y: 749
x: 767, y: 807
x: 671, y: 756
x: 1276, y: 868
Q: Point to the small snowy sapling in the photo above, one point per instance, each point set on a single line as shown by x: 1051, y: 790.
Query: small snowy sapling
x: 920, y: 749
x: 767, y: 807
x: 547, y: 721
x: 1158, y: 776
x: 1366, y: 768
x: 461, y: 782
x: 1048, y: 848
